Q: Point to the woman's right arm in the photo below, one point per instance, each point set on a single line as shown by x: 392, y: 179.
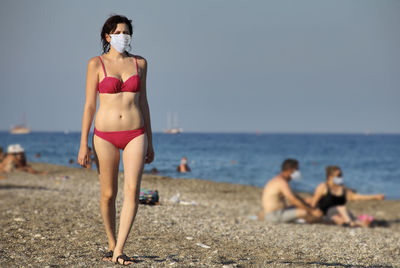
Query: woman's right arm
x: 318, y: 193
x: 89, y: 110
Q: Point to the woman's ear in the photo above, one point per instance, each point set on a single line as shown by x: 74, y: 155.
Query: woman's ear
x: 108, y: 37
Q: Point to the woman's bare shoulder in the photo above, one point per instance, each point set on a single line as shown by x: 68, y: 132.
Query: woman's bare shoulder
x: 321, y: 187
x: 94, y: 62
x: 142, y: 62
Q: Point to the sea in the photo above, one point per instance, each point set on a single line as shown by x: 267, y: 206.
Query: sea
x: 370, y: 163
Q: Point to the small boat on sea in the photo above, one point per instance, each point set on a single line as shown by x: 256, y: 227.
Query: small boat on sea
x: 21, y: 128
x: 174, y: 129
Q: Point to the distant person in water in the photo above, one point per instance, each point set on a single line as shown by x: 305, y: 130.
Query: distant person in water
x: 331, y: 197
x: 277, y: 192
x: 183, y: 167
x: 16, y: 160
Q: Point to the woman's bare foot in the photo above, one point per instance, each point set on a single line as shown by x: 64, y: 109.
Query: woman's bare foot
x: 121, y: 258
x: 364, y: 224
x: 108, y: 255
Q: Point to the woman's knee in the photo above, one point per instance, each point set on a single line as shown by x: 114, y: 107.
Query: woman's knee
x: 131, y: 191
x: 108, y: 195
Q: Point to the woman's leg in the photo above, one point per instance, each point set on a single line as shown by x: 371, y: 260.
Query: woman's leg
x: 108, y: 162
x: 333, y: 215
x: 337, y: 219
x: 352, y: 219
x: 133, y: 159
x: 344, y: 213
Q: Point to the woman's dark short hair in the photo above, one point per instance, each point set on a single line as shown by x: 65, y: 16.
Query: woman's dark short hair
x: 290, y: 164
x: 330, y: 170
x: 109, y: 27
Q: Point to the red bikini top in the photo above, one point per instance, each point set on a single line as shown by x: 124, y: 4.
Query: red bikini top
x: 113, y: 85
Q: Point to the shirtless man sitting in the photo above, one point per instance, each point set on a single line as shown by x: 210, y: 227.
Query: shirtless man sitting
x: 275, y: 208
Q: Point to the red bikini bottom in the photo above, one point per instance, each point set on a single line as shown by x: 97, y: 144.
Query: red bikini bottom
x: 119, y: 138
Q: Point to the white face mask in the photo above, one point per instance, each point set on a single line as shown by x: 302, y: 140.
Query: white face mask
x: 338, y: 180
x: 296, y: 175
x: 120, y: 42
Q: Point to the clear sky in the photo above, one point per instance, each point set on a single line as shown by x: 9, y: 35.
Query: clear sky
x: 241, y: 66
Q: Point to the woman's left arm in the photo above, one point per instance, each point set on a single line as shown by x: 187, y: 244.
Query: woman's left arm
x: 352, y: 196
x: 144, y: 106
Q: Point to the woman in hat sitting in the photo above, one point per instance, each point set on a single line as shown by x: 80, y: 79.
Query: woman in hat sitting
x: 16, y: 160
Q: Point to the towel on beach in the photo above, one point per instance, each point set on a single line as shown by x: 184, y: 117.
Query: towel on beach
x: 148, y: 197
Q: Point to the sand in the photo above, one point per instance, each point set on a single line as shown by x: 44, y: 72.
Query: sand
x: 53, y: 221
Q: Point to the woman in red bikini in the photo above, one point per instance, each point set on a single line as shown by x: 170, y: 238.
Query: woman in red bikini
x: 122, y: 122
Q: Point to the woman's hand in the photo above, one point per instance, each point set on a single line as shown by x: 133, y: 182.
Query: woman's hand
x: 317, y: 213
x: 83, y: 156
x: 149, y: 155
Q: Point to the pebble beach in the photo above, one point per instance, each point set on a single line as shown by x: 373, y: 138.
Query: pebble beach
x: 54, y: 220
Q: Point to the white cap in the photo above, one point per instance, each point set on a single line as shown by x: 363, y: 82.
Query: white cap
x: 15, y: 148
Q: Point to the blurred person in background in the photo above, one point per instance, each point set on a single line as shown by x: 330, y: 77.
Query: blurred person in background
x: 331, y: 198
x: 16, y: 160
x: 277, y: 194
x: 183, y: 166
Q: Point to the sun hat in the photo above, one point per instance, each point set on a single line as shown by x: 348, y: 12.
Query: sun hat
x: 15, y: 148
